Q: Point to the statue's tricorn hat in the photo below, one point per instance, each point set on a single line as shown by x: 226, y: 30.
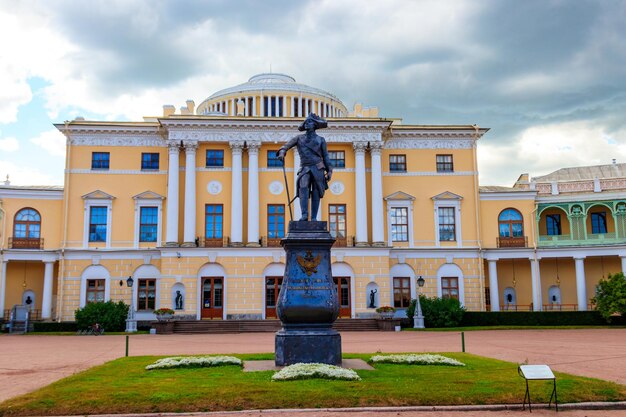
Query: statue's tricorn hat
x: 319, y: 122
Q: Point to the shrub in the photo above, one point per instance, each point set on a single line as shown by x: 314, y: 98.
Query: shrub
x: 535, y: 318
x: 386, y: 309
x: 438, y: 312
x: 110, y: 315
x: 611, y: 296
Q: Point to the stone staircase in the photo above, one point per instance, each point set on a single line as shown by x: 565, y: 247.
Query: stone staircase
x: 256, y: 326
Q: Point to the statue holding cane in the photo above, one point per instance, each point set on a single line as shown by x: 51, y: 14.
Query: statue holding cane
x: 315, y: 169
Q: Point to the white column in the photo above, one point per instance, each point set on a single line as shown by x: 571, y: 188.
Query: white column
x: 297, y: 213
x: 536, y: 284
x: 623, y: 258
x: 293, y: 102
x: 253, y: 193
x: 378, y: 219
x: 3, y: 284
x: 46, y: 303
x: 494, y: 292
x: 189, y: 235
x: 300, y: 108
x: 246, y: 111
x: 581, y: 283
x: 171, y: 231
x: 236, y: 213
x: 306, y: 108
x: 284, y: 112
x: 262, y: 105
x: 254, y: 106
x: 361, y: 194
x: 233, y: 110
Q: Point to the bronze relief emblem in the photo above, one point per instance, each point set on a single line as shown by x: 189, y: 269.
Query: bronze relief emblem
x: 308, y: 263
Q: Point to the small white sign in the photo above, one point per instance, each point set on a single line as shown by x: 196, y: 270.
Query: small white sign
x: 536, y: 372
x: 337, y: 187
x: 214, y: 187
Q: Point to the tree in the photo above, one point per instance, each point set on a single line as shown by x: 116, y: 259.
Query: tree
x: 611, y: 296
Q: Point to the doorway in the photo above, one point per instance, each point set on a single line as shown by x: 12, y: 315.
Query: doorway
x: 212, y: 297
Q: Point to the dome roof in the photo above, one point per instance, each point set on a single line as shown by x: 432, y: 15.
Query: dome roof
x: 273, y: 82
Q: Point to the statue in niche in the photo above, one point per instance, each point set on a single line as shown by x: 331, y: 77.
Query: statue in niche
x: 315, y: 169
x: 178, y: 300
x: 372, y: 298
x: 28, y: 300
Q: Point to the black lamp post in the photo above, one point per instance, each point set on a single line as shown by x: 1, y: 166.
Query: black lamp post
x: 131, y: 323
x: 418, y: 318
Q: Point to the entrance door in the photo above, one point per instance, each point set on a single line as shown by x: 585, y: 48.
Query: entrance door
x: 272, y: 289
x: 212, y: 297
x: 342, y: 284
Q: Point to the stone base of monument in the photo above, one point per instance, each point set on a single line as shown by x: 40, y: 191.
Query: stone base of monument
x: 307, y: 304
x: 307, y: 345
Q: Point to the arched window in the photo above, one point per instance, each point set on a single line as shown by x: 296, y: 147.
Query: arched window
x: 27, y: 224
x: 510, y: 223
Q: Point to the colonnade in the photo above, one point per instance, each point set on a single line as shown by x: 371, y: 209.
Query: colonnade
x: 299, y: 106
x: 48, y: 277
x: 236, y: 209
x: 581, y: 282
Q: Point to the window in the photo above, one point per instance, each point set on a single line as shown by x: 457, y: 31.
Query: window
x: 598, y: 222
x: 399, y: 224
x: 337, y: 159
x: 27, y: 224
x: 149, y: 220
x: 444, y: 163
x: 450, y: 287
x: 95, y: 291
x: 397, y: 163
x: 100, y: 160
x: 447, y: 229
x: 149, y: 161
x: 275, y: 221
x: 401, y: 292
x: 510, y: 223
x: 146, y: 294
x: 337, y: 220
x: 272, y: 160
x: 214, y: 158
x: 214, y: 220
x: 97, y: 224
x: 553, y: 224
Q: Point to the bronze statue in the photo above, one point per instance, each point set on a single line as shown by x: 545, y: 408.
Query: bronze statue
x: 315, y: 169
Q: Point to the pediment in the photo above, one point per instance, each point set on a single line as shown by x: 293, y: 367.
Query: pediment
x: 98, y: 195
x: 447, y: 195
x: 399, y: 195
x: 148, y: 195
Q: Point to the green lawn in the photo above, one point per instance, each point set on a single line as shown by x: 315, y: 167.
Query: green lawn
x: 123, y: 386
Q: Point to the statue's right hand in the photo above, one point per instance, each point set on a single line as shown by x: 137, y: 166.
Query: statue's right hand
x: 281, y: 155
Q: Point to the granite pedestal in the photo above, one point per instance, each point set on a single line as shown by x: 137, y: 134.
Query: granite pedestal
x: 307, y: 304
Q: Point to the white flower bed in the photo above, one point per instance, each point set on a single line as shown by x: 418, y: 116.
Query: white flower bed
x: 194, y: 362
x: 414, y: 359
x: 314, y: 370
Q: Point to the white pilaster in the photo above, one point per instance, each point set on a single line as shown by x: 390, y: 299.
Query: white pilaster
x: 361, y: 194
x: 3, y: 283
x: 536, y: 284
x: 297, y: 213
x: 189, y: 235
x: 378, y: 231
x: 171, y: 231
x: 494, y: 292
x: 581, y: 283
x: 46, y: 303
x: 236, y: 213
x: 253, y: 193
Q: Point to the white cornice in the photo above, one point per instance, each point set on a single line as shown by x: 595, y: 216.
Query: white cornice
x: 32, y: 194
x: 519, y: 195
x: 428, y: 174
x: 576, y: 198
x: 116, y: 172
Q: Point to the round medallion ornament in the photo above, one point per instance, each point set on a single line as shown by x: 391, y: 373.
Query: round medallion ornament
x: 337, y: 187
x: 276, y: 187
x: 214, y: 187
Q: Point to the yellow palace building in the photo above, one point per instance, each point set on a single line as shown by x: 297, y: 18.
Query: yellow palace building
x: 192, y: 205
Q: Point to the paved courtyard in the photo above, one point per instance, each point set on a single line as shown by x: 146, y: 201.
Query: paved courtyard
x: 30, y: 362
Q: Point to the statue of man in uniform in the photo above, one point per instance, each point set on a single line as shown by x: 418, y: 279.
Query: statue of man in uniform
x: 315, y: 168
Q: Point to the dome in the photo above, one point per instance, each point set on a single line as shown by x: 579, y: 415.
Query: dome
x: 273, y: 95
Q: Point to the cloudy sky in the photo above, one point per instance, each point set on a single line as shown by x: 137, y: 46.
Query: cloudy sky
x: 548, y: 77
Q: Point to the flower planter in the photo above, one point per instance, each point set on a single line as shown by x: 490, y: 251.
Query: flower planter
x: 387, y: 315
x: 164, y: 317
